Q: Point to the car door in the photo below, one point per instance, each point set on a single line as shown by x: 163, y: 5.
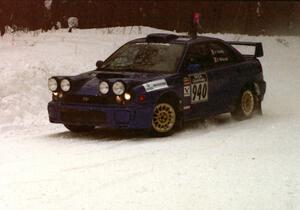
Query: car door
x: 196, y: 81
x: 223, y: 76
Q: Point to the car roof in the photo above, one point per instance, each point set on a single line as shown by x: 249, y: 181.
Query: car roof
x: 173, y: 39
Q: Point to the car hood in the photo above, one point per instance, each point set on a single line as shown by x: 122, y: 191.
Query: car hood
x: 87, y: 83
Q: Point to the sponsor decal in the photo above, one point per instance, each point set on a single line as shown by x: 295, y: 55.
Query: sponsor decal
x: 155, y: 85
x: 196, y: 78
x: 186, y: 81
x: 186, y: 87
x: 186, y: 107
x: 199, y: 88
x: 187, y: 90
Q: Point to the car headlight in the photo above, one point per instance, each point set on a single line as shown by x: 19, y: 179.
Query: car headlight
x: 65, y: 85
x: 118, y: 88
x: 103, y: 87
x: 52, y: 84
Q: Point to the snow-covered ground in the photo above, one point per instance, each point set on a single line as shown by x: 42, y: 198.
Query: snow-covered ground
x: 222, y: 164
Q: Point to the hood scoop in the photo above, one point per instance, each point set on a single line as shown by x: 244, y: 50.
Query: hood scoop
x: 110, y: 75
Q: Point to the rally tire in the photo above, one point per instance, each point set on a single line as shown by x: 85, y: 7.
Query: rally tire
x: 79, y: 128
x: 246, y: 105
x: 164, y: 119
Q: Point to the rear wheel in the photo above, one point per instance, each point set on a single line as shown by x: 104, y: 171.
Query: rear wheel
x: 79, y: 128
x: 246, y: 105
x: 164, y: 119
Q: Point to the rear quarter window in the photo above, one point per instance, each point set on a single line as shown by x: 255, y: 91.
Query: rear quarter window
x: 222, y: 54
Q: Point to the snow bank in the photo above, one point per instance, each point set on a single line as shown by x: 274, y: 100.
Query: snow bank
x: 29, y: 59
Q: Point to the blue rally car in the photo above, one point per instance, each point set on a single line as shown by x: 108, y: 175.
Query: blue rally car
x: 158, y: 83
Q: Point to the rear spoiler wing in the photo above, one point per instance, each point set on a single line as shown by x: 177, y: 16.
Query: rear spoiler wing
x: 259, y: 52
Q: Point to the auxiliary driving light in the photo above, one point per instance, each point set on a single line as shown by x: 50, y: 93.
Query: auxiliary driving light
x: 65, y: 85
x: 103, y: 87
x: 118, y: 88
x: 52, y: 84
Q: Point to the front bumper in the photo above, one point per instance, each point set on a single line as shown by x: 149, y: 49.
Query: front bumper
x: 130, y: 117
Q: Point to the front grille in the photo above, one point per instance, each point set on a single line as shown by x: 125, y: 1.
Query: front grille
x: 88, y: 99
x: 83, y: 117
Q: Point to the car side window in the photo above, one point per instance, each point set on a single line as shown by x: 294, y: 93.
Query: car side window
x: 221, y: 54
x: 199, y: 54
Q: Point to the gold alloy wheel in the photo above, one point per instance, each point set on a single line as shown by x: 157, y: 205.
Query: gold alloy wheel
x: 247, y: 103
x: 164, y: 118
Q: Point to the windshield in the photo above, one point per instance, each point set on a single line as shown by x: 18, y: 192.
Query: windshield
x: 145, y: 57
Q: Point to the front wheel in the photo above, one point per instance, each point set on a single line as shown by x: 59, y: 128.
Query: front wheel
x: 164, y: 119
x: 245, y: 106
x: 79, y: 128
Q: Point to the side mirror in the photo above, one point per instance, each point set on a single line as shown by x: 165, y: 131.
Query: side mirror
x: 99, y: 64
x: 191, y: 68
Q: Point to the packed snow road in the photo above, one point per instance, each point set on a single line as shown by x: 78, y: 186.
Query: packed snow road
x: 221, y: 164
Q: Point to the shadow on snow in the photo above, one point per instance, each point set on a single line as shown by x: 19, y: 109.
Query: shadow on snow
x: 140, y: 135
